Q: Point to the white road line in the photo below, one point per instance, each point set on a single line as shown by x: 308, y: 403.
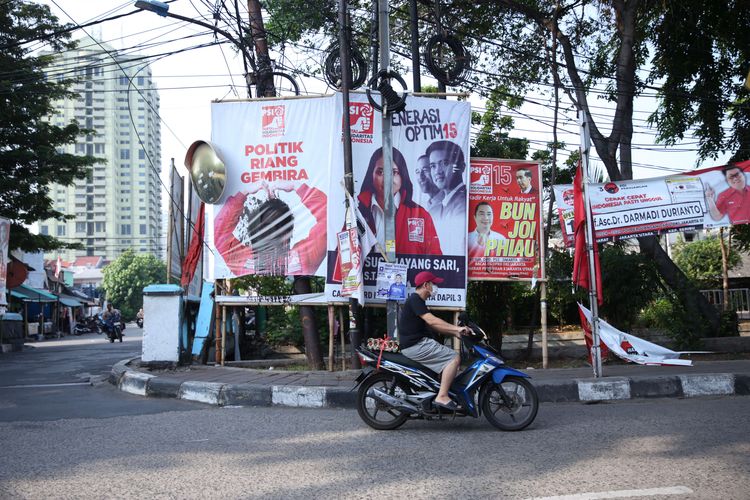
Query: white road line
x: 36, y: 386
x: 648, y: 492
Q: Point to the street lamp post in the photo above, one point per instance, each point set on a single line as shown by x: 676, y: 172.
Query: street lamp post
x: 162, y: 9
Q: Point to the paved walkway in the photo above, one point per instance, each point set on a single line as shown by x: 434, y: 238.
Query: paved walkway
x: 254, y: 387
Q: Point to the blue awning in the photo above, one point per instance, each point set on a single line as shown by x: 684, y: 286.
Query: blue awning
x: 29, y: 294
x: 69, y: 301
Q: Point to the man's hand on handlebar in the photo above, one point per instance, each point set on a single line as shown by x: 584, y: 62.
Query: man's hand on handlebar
x: 465, y: 330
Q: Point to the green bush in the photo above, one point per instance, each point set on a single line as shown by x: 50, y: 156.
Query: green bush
x: 667, y: 314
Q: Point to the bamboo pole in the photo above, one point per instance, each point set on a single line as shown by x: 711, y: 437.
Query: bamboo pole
x: 343, y: 341
x: 331, y: 340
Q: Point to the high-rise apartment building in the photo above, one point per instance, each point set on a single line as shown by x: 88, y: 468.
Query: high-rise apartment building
x: 118, y: 206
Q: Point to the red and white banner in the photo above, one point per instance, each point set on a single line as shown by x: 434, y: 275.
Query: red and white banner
x: 4, y: 238
x: 504, y: 219
x: 632, y: 348
x: 271, y: 219
x: 701, y: 199
x: 430, y: 165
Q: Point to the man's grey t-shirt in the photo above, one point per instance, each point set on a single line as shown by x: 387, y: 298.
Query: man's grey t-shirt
x: 411, y: 327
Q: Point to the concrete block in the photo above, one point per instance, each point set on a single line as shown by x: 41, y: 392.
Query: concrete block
x: 161, y: 387
x: 245, y: 395
x: 707, y: 384
x: 655, y: 387
x: 557, y: 391
x: 201, y: 392
x: 742, y: 384
x: 340, y: 398
x: 290, y: 395
x: 604, y: 389
x: 135, y: 382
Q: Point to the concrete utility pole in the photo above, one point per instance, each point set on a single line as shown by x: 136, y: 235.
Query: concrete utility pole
x: 390, y: 221
x: 346, y: 83
x: 264, y: 84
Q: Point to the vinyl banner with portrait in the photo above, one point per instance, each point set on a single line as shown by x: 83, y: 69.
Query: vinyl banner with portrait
x: 271, y: 219
x: 701, y: 199
x: 430, y: 165
x: 4, y: 238
x: 504, y: 219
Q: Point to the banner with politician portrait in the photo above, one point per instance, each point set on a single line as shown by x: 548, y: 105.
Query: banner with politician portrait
x: 430, y: 176
x: 700, y: 199
x: 271, y: 219
x: 504, y: 219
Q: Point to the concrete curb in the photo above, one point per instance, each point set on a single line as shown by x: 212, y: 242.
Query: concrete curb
x: 588, y: 390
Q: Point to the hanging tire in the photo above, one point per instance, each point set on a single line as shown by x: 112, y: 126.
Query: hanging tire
x: 374, y: 413
x: 511, y: 405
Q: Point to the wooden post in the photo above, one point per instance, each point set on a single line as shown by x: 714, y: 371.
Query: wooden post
x: 343, y: 341
x: 223, y: 333
x: 217, y: 324
x: 331, y: 340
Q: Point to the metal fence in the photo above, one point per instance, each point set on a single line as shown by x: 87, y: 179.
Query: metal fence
x: 739, y: 298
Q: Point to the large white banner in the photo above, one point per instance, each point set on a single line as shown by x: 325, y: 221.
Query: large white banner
x: 431, y: 167
x: 4, y: 238
x: 271, y: 219
x: 701, y: 199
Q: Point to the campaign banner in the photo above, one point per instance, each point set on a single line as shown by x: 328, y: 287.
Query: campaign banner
x: 4, y: 239
x: 700, y: 199
x: 271, y: 219
x: 504, y: 219
x: 350, y: 256
x: 430, y: 167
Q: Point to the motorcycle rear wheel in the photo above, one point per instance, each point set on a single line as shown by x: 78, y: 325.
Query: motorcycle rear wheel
x: 374, y: 413
x: 511, y: 405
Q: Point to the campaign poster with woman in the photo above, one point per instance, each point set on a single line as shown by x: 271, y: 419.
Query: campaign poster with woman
x: 272, y: 217
x: 429, y: 178
x: 504, y: 219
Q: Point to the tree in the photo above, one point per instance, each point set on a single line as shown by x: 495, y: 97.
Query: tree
x: 30, y: 144
x: 614, y: 43
x: 701, y: 260
x: 125, y: 278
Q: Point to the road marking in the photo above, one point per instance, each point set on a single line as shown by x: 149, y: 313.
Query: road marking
x: 37, y: 386
x: 648, y: 492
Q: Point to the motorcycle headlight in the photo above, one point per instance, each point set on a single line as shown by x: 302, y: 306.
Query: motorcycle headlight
x: 495, y: 360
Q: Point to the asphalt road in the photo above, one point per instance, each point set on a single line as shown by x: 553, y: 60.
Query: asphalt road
x: 126, y: 446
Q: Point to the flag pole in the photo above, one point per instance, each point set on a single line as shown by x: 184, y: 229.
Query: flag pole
x: 596, y: 354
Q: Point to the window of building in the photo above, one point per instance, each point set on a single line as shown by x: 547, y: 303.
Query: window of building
x: 44, y: 229
x: 144, y: 229
x: 80, y: 227
x: 101, y: 227
x: 141, y: 154
x: 125, y: 229
x: 99, y: 148
x: 124, y: 154
x: 141, y: 80
x: 123, y: 80
x: 61, y: 230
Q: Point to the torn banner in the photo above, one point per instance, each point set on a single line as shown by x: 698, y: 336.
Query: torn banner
x: 635, y: 349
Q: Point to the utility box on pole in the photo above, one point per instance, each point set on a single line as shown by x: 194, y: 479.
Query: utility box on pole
x: 162, y: 322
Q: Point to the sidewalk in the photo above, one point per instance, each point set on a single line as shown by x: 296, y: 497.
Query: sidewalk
x: 231, y: 386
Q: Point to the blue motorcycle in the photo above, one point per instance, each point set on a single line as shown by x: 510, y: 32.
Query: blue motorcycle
x: 394, y: 388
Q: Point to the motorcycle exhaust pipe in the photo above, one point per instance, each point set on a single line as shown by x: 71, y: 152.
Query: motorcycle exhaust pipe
x: 394, y: 402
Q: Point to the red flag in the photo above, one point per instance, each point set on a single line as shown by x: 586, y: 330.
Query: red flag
x: 589, y: 338
x: 581, y: 275
x: 196, y: 248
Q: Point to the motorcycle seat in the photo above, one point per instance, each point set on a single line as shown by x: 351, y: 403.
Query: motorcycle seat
x: 397, y: 357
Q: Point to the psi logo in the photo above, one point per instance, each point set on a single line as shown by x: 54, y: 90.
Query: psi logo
x: 361, y: 122
x: 416, y: 229
x: 273, y: 121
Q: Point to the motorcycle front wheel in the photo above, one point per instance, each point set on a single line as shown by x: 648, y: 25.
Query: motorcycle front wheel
x: 377, y: 414
x: 511, y: 405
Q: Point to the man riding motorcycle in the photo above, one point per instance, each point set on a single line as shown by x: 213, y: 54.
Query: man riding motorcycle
x: 111, y: 319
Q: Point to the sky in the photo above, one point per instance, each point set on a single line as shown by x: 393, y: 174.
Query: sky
x: 190, y: 80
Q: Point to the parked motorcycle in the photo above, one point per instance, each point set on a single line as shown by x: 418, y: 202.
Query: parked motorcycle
x: 394, y: 388
x: 87, y: 325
